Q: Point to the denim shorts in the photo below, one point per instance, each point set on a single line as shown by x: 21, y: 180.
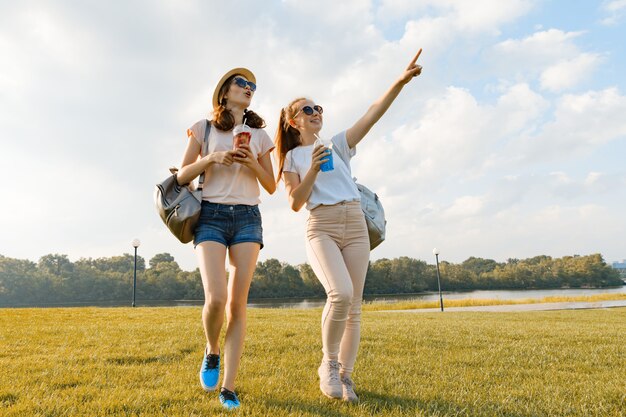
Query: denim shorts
x: 229, y: 224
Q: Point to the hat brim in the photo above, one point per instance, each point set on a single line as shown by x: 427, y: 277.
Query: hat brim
x: 235, y: 71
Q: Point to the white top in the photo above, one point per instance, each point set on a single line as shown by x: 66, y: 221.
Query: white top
x: 235, y: 184
x: 330, y: 187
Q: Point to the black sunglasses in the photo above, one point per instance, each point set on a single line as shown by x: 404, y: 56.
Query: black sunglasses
x: 243, y: 83
x: 308, y: 110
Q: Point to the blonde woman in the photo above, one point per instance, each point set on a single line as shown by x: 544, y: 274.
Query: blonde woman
x: 337, y: 242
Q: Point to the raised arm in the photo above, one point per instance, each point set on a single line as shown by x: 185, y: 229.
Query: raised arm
x: 380, y: 106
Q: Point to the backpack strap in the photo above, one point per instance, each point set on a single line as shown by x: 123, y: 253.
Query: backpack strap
x: 205, y: 150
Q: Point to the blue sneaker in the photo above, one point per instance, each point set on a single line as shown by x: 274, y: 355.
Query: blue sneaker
x: 210, y: 371
x: 229, y: 399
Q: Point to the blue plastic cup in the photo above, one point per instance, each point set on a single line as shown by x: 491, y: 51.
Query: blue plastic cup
x: 328, y: 161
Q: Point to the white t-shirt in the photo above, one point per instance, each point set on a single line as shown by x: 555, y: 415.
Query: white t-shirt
x: 235, y: 184
x: 330, y: 187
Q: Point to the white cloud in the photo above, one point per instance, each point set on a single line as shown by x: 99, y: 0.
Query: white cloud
x: 452, y: 135
x: 513, y: 232
x: 43, y: 52
x: 581, y: 122
x: 63, y: 204
x: 511, y: 212
x: 546, y: 55
x: 593, y: 185
x: 594, y: 178
x: 465, y: 206
x: 567, y: 74
x: 615, y: 8
x: 463, y: 16
x: 541, y: 45
x: 519, y: 109
x: 550, y: 57
x: 477, y: 15
x: 331, y: 12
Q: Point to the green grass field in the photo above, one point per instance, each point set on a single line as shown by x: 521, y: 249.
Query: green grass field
x: 145, y: 361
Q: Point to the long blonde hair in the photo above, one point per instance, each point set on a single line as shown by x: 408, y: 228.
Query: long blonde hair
x: 287, y: 137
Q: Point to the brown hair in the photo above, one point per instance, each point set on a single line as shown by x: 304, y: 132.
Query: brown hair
x: 223, y: 118
x: 287, y: 137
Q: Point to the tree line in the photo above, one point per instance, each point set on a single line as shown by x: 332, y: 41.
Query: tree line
x: 54, y: 279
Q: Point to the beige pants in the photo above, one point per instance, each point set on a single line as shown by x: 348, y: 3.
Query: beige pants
x: 338, y: 250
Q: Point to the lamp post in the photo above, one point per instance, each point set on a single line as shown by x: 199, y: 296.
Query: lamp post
x: 135, y: 244
x: 436, y: 253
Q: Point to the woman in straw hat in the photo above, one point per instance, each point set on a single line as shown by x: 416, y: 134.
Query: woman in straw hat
x: 337, y: 240
x: 230, y: 220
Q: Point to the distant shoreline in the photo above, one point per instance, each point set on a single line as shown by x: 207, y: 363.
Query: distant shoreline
x: 451, y: 298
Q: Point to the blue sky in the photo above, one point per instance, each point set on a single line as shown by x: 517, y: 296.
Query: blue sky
x: 511, y: 144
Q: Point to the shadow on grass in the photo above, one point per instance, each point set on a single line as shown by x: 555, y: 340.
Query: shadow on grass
x: 373, y: 403
x: 378, y: 403
x: 7, y: 400
x: 143, y: 360
x: 64, y: 385
x: 300, y: 407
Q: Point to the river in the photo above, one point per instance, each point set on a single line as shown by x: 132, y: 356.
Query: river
x: 434, y: 296
x: 304, y: 303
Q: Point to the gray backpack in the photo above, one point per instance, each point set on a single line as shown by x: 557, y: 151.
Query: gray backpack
x: 179, y: 205
x: 374, y: 215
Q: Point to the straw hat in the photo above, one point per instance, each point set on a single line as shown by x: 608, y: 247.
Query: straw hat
x: 238, y: 71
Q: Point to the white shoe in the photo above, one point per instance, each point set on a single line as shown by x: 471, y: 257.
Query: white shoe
x: 348, y: 390
x: 330, y: 384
